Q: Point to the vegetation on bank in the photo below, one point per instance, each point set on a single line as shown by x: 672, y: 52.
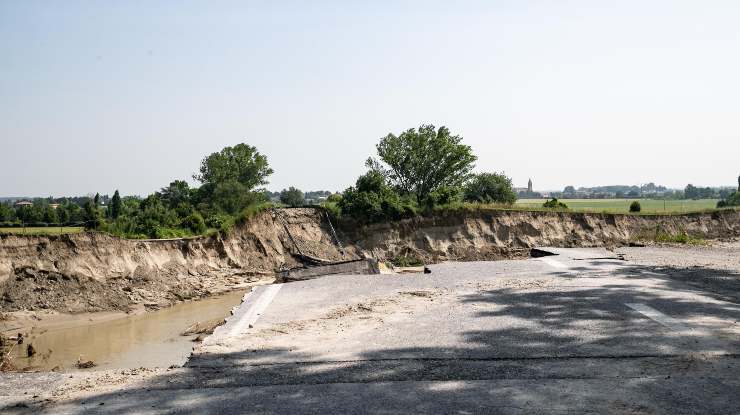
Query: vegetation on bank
x: 661, y: 235
x: 421, y: 171
x: 41, y: 231
x: 230, y: 192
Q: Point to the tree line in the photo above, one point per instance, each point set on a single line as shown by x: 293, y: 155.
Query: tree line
x: 417, y: 171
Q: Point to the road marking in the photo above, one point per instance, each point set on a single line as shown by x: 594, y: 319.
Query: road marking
x: 251, y: 315
x: 656, y: 315
x: 553, y: 263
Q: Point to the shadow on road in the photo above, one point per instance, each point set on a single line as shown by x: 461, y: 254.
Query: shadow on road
x: 580, y: 350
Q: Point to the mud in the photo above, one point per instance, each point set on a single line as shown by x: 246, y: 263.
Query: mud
x: 116, y: 340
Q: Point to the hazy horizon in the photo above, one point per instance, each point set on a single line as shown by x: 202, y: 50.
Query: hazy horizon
x: 130, y: 96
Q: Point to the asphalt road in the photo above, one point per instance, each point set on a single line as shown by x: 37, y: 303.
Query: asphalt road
x: 582, y: 331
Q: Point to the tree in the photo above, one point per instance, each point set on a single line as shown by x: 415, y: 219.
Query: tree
x: 176, y: 193
x: 490, y: 188
x: 242, y: 164
x: 230, y: 197
x: 63, y: 214
x: 635, y: 207
x: 6, y: 213
x: 292, y: 197
x: 115, y: 205
x: 91, y: 215
x: 691, y: 192
x: 418, y: 162
x: 97, y: 199
x: 50, y: 215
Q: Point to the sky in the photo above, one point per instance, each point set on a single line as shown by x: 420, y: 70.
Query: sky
x: 130, y: 95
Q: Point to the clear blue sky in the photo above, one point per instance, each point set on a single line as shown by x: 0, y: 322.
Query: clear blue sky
x: 96, y: 96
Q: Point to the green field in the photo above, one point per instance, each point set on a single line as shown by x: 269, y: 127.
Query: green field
x: 622, y: 205
x: 42, y: 231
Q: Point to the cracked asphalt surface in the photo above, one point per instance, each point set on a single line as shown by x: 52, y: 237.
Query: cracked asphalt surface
x: 580, y: 331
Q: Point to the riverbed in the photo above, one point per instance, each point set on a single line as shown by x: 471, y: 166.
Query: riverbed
x: 120, y: 341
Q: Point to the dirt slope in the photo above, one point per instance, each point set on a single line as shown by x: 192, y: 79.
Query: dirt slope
x: 492, y: 234
x: 91, y: 272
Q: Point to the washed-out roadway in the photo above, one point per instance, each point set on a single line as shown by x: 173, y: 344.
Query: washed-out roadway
x: 580, y: 331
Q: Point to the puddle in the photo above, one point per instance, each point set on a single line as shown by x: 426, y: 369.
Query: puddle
x: 149, y: 339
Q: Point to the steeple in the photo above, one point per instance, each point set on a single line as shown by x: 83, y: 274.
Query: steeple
x: 529, y: 186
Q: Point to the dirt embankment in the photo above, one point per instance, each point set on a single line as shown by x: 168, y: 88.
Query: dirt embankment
x: 95, y: 272
x: 483, y: 235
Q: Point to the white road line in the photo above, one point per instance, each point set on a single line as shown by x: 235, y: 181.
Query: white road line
x: 553, y: 263
x: 656, y: 315
x: 254, y: 312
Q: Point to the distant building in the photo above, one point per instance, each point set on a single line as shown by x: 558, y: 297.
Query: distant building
x: 54, y: 205
x: 23, y: 203
x: 529, y: 186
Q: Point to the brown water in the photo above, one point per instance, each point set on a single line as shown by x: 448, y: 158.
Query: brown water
x: 151, y: 339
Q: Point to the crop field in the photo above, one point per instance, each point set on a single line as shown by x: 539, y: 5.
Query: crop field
x: 51, y: 230
x: 622, y: 205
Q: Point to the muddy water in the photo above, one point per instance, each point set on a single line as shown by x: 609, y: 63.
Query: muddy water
x: 151, y: 339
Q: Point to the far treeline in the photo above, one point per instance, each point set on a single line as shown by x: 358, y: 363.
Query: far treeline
x: 415, y: 172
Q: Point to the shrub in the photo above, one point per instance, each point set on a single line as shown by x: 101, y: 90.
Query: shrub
x: 372, y: 200
x: 251, y: 210
x: 490, y: 188
x: 732, y: 200
x: 217, y: 221
x: 332, y: 208
x: 195, y: 223
x: 407, y: 261
x: 554, y: 204
x: 444, y: 196
x: 635, y: 207
x: 334, y: 198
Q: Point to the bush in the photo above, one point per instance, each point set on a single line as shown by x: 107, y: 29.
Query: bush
x: 372, y: 200
x: 635, y: 207
x: 332, y: 208
x: 195, y: 223
x: 252, y: 210
x: 170, y: 233
x: 217, y: 221
x: 334, y: 198
x: 406, y: 261
x: 732, y: 200
x: 490, y: 188
x: 444, y: 196
x: 554, y: 204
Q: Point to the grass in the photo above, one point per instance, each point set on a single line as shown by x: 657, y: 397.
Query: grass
x: 661, y: 235
x: 622, y: 205
x: 52, y: 230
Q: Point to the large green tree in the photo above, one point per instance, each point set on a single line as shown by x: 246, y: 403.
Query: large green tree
x: 176, y: 193
x: 422, y: 161
x: 115, y: 205
x: 490, y: 188
x: 292, y: 197
x: 241, y: 164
